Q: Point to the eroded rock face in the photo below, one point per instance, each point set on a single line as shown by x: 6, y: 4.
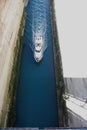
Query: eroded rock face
x: 26, y: 2
x: 2, y: 4
x: 10, y: 17
x: 77, y: 87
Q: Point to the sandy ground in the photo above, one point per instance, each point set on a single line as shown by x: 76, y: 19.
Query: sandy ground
x: 10, y: 16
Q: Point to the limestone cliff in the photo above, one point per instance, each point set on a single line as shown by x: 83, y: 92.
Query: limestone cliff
x: 77, y: 88
x: 11, y: 12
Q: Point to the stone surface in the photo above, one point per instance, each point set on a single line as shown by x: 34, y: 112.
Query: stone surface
x: 77, y: 87
x: 10, y: 17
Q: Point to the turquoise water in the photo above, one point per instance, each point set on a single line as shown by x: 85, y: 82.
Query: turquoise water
x: 36, y: 104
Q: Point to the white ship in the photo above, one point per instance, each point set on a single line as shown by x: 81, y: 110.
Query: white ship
x: 38, y: 47
x: 38, y: 31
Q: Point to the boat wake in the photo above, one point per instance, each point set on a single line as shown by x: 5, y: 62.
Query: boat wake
x: 39, y: 29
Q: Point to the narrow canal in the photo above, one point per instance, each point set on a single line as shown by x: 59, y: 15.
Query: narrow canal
x: 36, y: 104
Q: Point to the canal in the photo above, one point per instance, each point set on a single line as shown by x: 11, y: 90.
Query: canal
x: 36, y: 104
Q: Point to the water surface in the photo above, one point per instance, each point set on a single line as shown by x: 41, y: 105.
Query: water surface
x: 36, y: 98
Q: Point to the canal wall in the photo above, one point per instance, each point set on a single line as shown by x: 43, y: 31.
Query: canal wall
x: 11, y: 31
x: 60, y: 86
x: 77, y: 87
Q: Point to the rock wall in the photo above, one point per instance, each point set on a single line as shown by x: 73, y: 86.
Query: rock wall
x: 60, y: 88
x: 77, y: 87
x: 11, y: 12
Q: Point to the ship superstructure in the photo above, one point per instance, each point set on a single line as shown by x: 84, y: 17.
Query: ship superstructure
x: 38, y: 47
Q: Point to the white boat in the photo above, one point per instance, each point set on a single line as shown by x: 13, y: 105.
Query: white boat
x: 38, y: 47
x: 39, y: 27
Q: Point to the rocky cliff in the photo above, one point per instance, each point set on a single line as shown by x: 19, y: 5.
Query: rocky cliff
x: 76, y: 88
x: 11, y: 12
